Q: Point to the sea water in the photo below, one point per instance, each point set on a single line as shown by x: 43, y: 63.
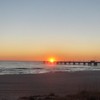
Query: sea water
x: 22, y: 67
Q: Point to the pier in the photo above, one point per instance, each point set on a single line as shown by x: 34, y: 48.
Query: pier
x: 89, y: 63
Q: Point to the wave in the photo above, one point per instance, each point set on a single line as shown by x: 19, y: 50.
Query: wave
x: 34, y: 68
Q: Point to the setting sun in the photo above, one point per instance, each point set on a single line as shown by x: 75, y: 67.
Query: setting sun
x: 52, y: 60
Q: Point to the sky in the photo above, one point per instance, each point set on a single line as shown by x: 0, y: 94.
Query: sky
x: 38, y: 29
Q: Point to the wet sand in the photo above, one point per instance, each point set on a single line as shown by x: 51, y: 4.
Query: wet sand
x: 61, y: 83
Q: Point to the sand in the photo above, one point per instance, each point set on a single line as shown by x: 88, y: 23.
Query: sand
x: 62, y: 83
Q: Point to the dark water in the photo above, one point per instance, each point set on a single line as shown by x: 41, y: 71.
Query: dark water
x: 15, y: 67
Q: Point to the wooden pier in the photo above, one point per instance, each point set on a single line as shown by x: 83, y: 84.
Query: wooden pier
x: 89, y: 63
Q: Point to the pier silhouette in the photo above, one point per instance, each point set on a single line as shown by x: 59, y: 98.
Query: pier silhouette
x: 89, y: 63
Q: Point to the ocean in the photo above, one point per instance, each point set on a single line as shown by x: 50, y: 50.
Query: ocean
x: 27, y: 67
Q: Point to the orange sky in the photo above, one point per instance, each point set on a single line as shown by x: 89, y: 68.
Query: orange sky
x: 35, y: 30
x: 30, y: 57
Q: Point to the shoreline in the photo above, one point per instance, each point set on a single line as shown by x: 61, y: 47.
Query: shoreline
x: 80, y: 71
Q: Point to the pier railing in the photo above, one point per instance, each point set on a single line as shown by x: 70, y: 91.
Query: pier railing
x: 89, y: 63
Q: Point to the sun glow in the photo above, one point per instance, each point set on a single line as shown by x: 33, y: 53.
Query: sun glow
x: 52, y: 60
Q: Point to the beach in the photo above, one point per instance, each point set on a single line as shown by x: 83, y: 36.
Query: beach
x: 61, y: 83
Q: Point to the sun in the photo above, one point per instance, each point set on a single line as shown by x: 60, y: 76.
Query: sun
x: 51, y: 62
x: 51, y: 59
